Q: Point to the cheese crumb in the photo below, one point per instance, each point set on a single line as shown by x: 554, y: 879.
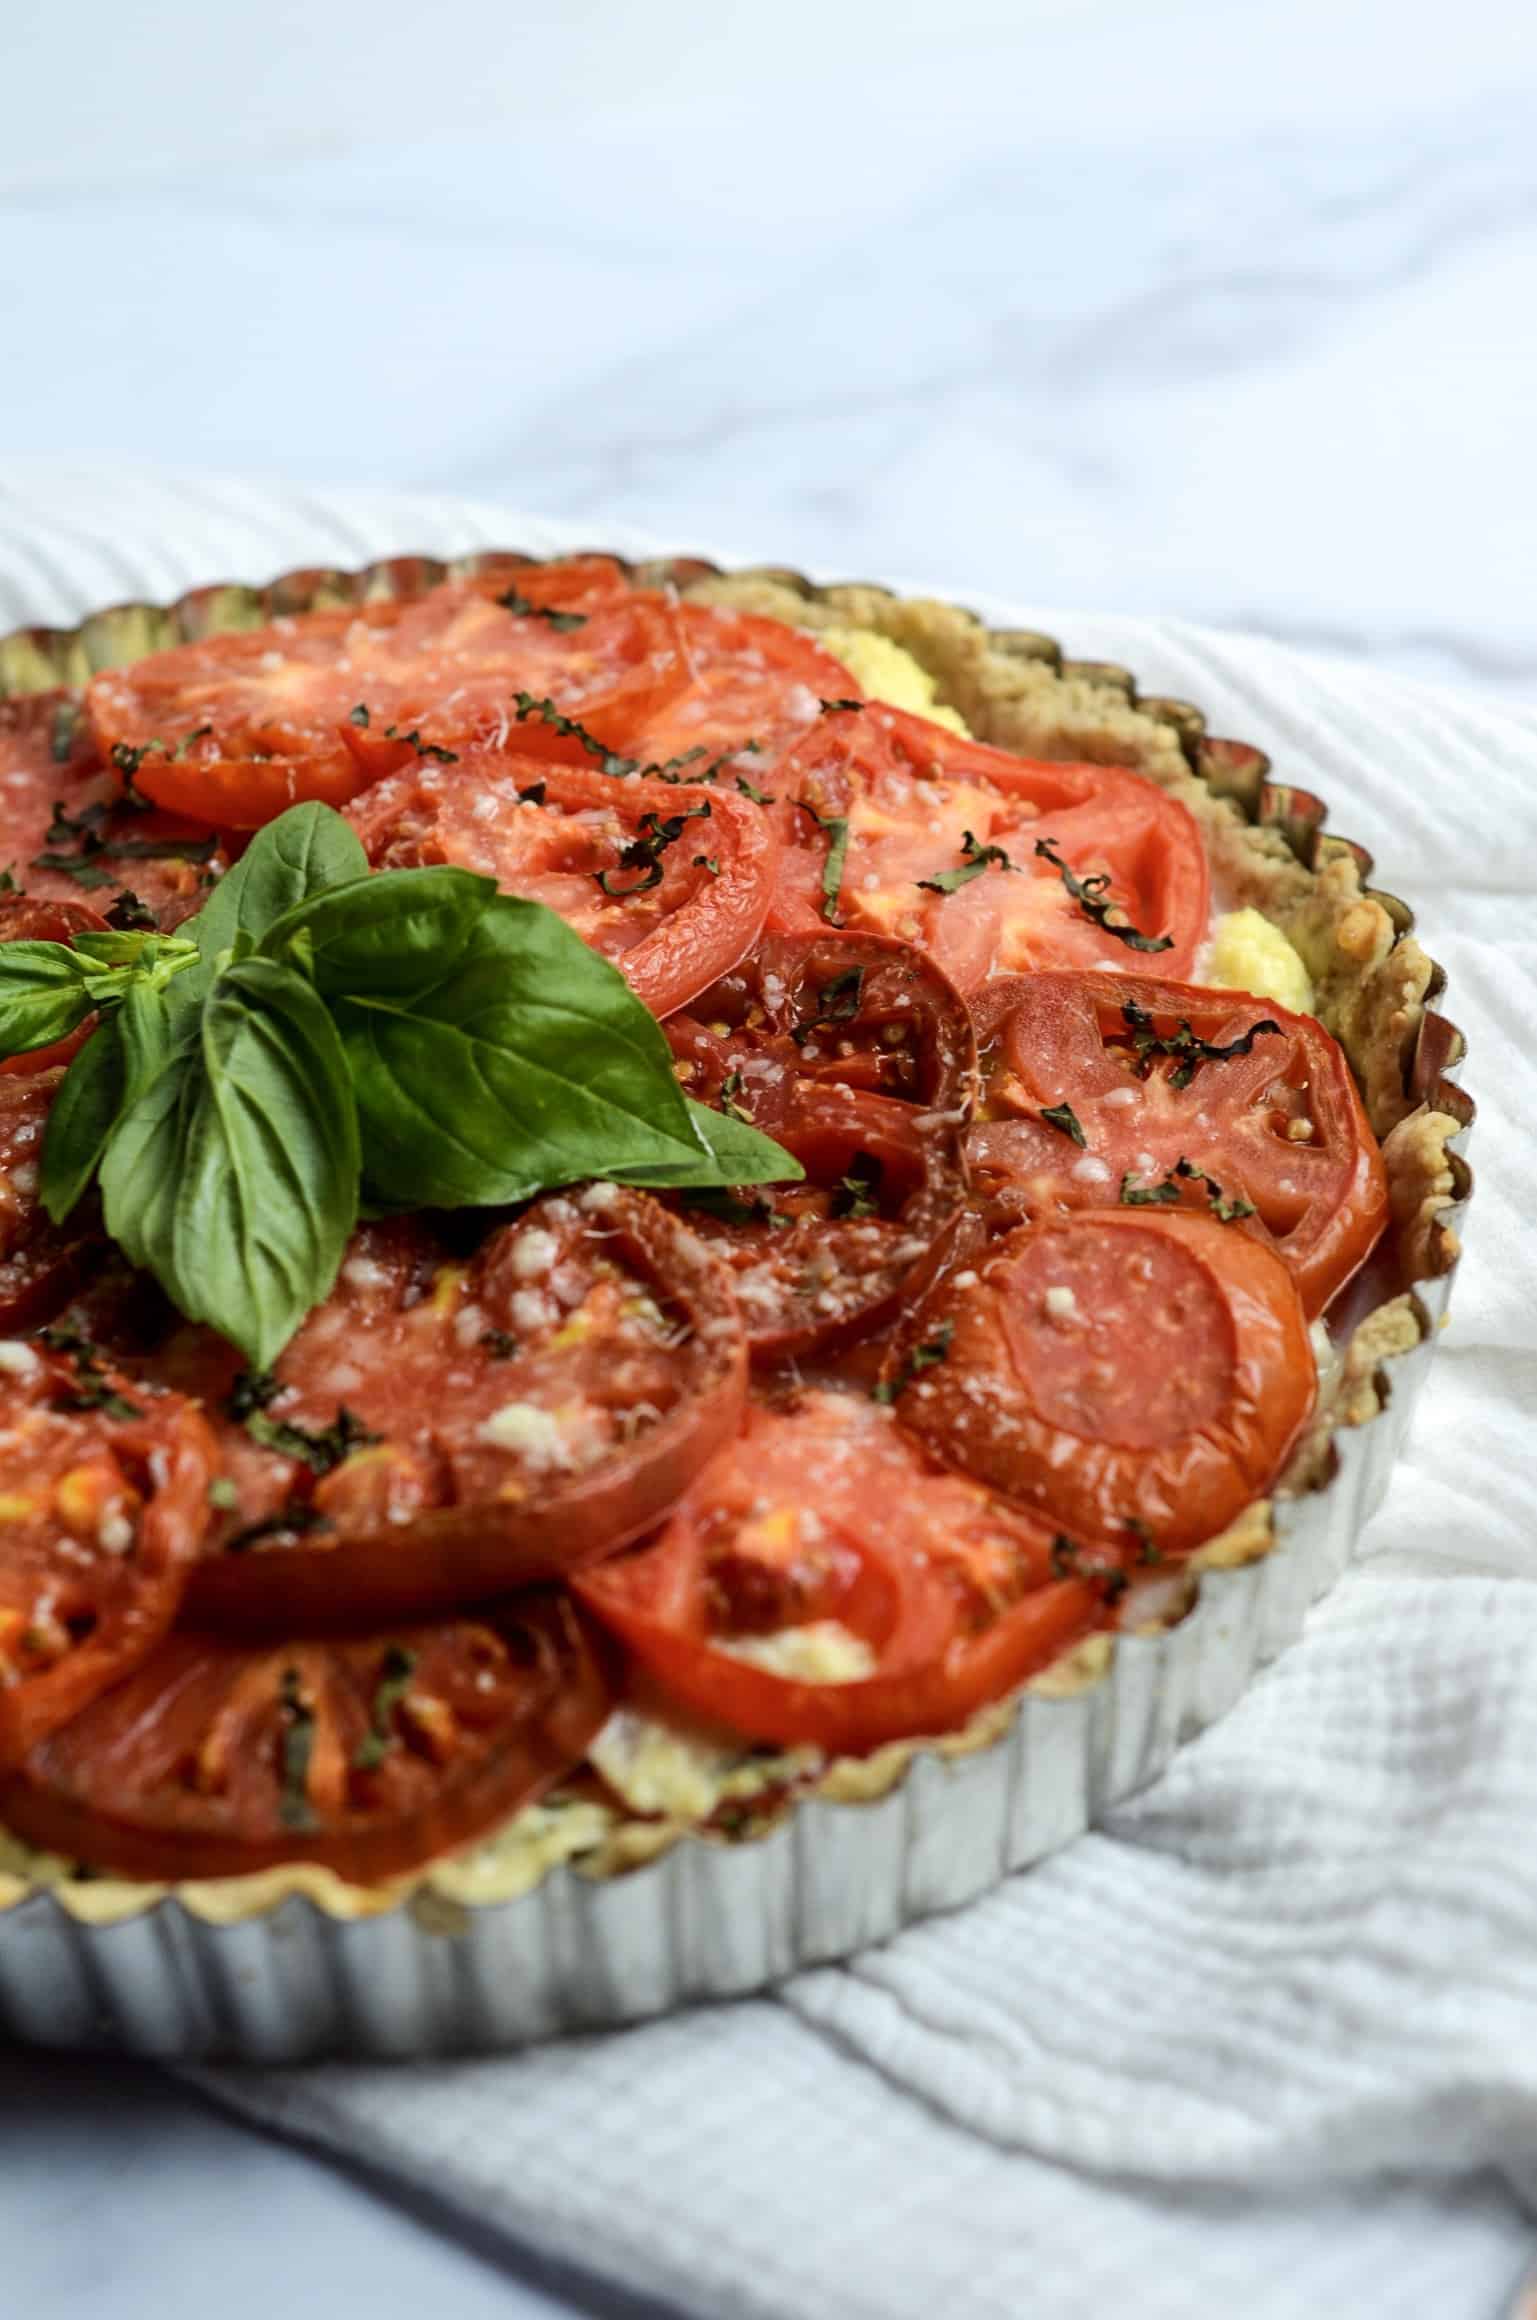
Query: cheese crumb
x: 531, y: 1433
x: 1249, y: 954
x: 1061, y: 1304
x: 17, y: 1360
x: 889, y: 673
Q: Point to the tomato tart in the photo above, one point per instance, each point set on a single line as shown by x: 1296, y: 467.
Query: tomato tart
x: 686, y: 1260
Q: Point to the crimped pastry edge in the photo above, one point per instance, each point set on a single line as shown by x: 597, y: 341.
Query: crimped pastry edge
x: 1268, y: 846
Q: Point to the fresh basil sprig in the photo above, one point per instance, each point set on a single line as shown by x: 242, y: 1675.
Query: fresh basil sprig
x: 318, y: 1037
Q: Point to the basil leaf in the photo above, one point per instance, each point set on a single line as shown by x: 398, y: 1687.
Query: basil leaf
x: 45, y: 993
x: 232, y: 1176
x: 737, y: 1153
x: 519, y: 1060
x: 383, y: 933
x: 82, y: 1117
x: 302, y: 853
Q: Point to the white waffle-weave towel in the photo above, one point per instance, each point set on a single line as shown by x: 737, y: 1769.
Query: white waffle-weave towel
x: 1267, y: 2043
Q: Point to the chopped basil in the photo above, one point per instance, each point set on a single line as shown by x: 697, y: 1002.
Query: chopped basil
x: 760, y: 797
x: 1225, y: 1211
x: 499, y: 1343
x: 974, y: 860
x: 708, y: 862
x: 730, y: 1089
x: 223, y: 1494
x: 8, y: 883
x: 413, y: 740
x: 837, y: 828
x: 562, y: 622
x: 1092, y: 896
x: 1134, y: 1195
x: 90, y: 1390
x: 298, y: 1744
x: 1185, y: 1171
x: 858, y: 1193
x: 827, y: 707
x: 131, y: 916
x: 359, y: 715
x: 396, y: 1671
x: 295, y: 1518
x: 320, y: 1451
x: 61, y: 737
x: 1184, y: 1045
x: 751, y: 1207
x: 526, y: 705
x: 1065, y: 1120
x: 644, y: 851
x: 924, y: 1356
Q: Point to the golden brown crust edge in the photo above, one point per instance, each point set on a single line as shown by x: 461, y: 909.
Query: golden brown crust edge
x: 1372, y: 982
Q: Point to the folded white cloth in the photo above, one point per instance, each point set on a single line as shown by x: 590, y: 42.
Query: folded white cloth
x: 1266, y: 2043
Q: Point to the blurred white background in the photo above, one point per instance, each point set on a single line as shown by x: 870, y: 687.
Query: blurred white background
x: 1228, y: 312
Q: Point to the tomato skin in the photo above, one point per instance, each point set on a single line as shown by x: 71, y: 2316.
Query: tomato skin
x: 911, y: 793
x: 80, y: 1605
x: 552, y: 832
x: 433, y: 1512
x: 241, y: 793
x: 1320, y: 1199
x: 192, y: 1767
x: 827, y: 1511
x: 1118, y: 1371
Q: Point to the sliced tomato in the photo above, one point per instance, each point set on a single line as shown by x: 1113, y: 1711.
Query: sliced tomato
x: 1210, y: 1100
x: 368, y: 1755
x: 989, y: 862
x: 1121, y: 1372
x: 239, y: 726
x: 822, y: 1262
x: 40, y: 1262
x: 827, y: 1511
x: 103, y: 1500
x: 440, y: 1431
x: 753, y: 689
x: 844, y: 1010
x: 69, y: 838
x: 670, y: 881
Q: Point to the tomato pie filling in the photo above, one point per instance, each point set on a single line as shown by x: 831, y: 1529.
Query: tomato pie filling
x: 881, y: 1261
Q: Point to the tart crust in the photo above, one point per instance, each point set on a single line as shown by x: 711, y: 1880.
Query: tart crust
x: 1268, y: 849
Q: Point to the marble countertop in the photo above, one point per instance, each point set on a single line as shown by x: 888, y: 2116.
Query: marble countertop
x: 1218, y: 312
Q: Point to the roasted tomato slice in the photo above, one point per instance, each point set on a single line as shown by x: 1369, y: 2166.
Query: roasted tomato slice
x: 822, y: 1262
x: 941, y: 1596
x: 1136, y: 1373
x: 442, y: 1431
x: 368, y: 1755
x: 754, y: 688
x: 902, y: 827
x: 103, y: 1500
x: 40, y: 1262
x: 239, y: 726
x: 1208, y: 1099
x: 843, y: 1010
x: 670, y: 881
x: 70, y: 838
